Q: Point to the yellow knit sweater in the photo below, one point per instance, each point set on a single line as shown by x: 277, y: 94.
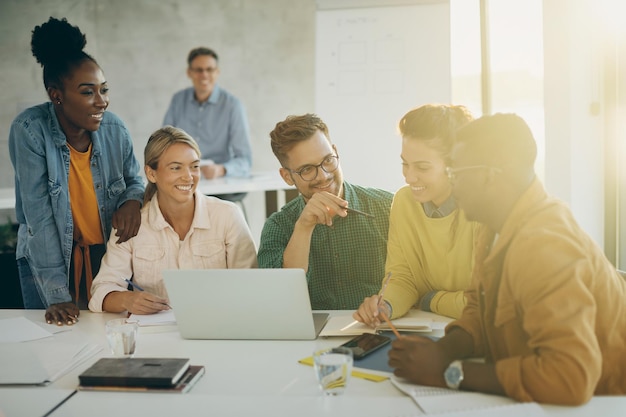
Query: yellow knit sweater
x: 426, y: 255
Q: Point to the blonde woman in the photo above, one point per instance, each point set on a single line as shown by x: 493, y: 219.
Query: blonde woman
x: 180, y: 228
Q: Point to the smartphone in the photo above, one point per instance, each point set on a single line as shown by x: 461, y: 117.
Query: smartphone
x: 365, y: 344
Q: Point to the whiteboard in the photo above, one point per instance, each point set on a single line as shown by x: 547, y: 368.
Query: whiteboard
x: 372, y: 66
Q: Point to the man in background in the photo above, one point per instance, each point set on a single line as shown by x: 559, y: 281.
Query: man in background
x: 214, y: 118
x: 342, y: 252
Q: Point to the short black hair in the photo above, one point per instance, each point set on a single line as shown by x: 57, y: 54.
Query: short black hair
x: 196, y: 52
x: 501, y: 140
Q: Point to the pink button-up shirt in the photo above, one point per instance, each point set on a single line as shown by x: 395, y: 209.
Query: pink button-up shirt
x: 219, y: 237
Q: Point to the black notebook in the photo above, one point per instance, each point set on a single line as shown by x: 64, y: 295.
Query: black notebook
x: 135, y: 372
x: 186, y: 382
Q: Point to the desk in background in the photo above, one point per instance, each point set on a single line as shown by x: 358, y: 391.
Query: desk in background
x: 243, y: 378
x: 277, y: 192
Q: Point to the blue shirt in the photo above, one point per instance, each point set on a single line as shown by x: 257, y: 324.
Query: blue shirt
x: 41, y: 159
x: 219, y: 125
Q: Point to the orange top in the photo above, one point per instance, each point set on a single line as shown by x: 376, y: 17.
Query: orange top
x: 83, y: 201
x: 87, y: 226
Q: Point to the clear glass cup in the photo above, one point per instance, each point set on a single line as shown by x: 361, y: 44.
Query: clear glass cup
x: 333, y: 367
x: 122, y: 337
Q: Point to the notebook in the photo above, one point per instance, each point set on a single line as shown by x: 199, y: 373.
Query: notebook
x: 135, y: 372
x: 247, y: 304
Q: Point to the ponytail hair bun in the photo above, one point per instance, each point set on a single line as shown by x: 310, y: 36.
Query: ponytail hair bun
x: 57, y: 41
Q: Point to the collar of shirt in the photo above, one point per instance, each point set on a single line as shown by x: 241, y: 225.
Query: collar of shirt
x: 213, y: 98
x: 443, y: 210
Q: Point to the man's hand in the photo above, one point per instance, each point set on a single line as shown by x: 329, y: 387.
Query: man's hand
x: 419, y: 360
x: 126, y: 220
x: 321, y: 208
x: 141, y: 302
x: 62, y: 313
x: 212, y: 171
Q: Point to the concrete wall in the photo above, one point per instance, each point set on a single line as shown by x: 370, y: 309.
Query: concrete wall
x: 266, y: 50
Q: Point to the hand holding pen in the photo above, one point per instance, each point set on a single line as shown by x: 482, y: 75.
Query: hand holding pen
x: 369, y: 311
x: 143, y: 302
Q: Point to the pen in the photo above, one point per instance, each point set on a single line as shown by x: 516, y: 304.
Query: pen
x: 380, y: 297
x: 138, y: 288
x: 132, y: 284
x: 362, y: 213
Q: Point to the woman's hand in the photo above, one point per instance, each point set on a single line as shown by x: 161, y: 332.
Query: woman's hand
x: 62, y: 313
x: 126, y: 220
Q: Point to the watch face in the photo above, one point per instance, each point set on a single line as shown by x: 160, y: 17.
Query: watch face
x: 454, y: 375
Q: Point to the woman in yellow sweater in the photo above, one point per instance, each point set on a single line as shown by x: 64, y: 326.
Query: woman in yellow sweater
x: 430, y: 247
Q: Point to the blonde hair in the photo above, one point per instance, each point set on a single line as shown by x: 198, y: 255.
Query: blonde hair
x: 158, y: 143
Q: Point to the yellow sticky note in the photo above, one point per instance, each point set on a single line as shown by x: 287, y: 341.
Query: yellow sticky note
x: 355, y: 373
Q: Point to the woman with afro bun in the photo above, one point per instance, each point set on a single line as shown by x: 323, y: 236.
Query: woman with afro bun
x: 76, y: 177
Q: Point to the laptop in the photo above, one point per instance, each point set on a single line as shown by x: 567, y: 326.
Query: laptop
x: 247, y: 304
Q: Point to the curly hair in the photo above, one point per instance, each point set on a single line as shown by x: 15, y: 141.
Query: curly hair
x: 58, y: 47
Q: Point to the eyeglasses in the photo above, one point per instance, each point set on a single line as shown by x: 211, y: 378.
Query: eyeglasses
x: 453, y: 173
x: 309, y: 172
x: 209, y: 70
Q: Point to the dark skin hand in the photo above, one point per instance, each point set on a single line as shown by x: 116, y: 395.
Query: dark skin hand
x: 419, y: 360
x: 126, y: 220
x: 422, y: 361
x: 62, y: 313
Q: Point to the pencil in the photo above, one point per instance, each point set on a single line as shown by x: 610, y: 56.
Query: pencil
x: 393, y: 328
x: 362, y: 213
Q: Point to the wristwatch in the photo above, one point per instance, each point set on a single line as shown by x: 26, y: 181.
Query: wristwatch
x: 454, y: 375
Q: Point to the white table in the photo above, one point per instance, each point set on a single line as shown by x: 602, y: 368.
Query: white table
x: 243, y: 378
x: 277, y: 192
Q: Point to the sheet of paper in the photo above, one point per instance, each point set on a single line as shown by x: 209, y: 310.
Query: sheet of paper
x: 20, y: 329
x: 162, y: 318
x: 41, y: 361
x: 435, y: 400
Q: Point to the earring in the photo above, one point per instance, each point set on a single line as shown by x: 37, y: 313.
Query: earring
x: 58, y: 101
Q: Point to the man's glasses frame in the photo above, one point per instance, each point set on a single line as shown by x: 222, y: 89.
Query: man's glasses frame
x: 309, y: 172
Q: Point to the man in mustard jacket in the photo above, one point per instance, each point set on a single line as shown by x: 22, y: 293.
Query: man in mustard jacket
x: 546, y: 309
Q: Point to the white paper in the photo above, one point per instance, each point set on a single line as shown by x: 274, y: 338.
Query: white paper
x: 162, y: 318
x: 20, y: 329
x: 435, y: 400
x: 41, y: 361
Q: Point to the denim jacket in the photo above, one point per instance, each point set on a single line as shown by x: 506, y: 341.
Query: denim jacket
x: 41, y: 159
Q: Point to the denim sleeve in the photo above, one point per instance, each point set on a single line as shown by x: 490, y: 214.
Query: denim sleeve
x: 134, y: 182
x: 37, y: 210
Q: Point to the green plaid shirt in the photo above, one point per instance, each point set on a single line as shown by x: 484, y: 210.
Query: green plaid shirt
x: 347, y: 260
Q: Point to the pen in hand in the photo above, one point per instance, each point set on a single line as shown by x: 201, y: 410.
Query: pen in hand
x: 379, y: 310
x: 362, y: 213
x: 138, y: 288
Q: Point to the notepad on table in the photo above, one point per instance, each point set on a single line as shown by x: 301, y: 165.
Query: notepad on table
x: 347, y: 326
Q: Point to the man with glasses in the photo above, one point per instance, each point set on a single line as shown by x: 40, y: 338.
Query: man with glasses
x: 546, y: 308
x: 213, y: 117
x: 342, y: 251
